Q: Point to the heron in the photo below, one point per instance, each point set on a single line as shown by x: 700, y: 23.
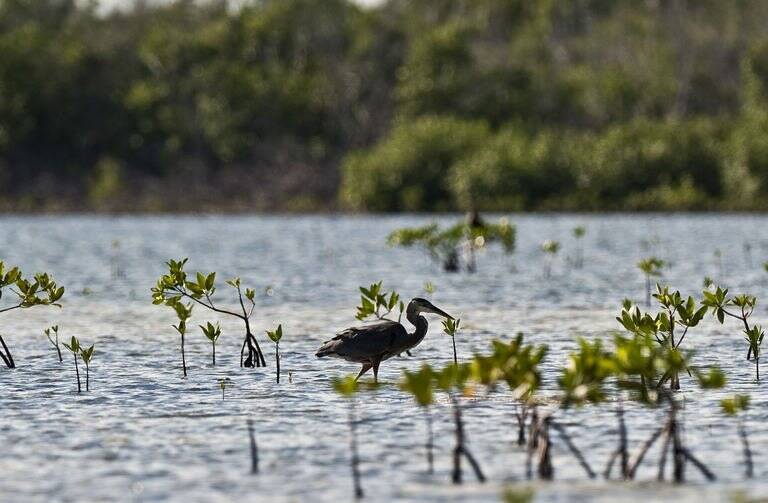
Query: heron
x: 371, y: 344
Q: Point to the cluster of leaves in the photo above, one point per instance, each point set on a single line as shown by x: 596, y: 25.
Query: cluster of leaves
x: 212, y: 332
x: 377, y: 303
x: 550, y: 246
x: 651, y: 266
x: 40, y: 290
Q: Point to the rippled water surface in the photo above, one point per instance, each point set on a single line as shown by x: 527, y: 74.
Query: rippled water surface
x: 145, y: 434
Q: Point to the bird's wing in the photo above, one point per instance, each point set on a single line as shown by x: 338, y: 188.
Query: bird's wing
x: 364, y: 342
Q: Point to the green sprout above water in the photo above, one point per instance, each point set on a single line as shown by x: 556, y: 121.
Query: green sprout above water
x: 347, y: 387
x: 550, y: 248
x: 87, y: 355
x: 450, y: 327
x: 736, y: 406
x: 184, y: 313
x: 651, y: 267
x: 377, y: 303
x: 40, y: 290
x: 738, y: 307
x: 224, y: 383
x: 74, y: 348
x: 578, y: 233
x: 275, y: 336
x: 212, y: 333
x: 419, y: 385
x: 52, y: 334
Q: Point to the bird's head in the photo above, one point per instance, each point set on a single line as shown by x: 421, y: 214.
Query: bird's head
x: 419, y: 305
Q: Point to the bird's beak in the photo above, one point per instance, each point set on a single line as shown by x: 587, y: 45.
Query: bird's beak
x: 436, y: 310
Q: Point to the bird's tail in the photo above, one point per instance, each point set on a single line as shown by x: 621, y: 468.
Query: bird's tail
x: 327, y: 349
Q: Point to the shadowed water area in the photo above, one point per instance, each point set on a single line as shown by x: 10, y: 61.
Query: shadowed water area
x: 144, y: 433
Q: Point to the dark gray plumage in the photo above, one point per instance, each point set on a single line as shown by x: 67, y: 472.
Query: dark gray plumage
x: 371, y: 344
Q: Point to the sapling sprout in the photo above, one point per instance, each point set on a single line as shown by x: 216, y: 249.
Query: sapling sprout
x: 87, y: 355
x: 719, y: 302
x: 41, y: 290
x: 54, y: 339
x: 348, y: 387
x: 212, y: 333
x: 651, y: 268
x: 171, y: 288
x: 450, y: 327
x: 429, y: 288
x: 184, y: 312
x: 454, y: 381
x: 733, y: 407
x: 224, y: 383
x: 419, y: 384
x: 550, y: 248
x: 74, y: 348
x: 275, y: 336
x: 579, y: 232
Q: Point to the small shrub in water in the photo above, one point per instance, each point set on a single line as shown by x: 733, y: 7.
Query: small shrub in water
x: 733, y: 407
x: 450, y: 327
x: 275, y: 336
x: 419, y: 384
x: 41, y: 290
x: 74, y: 348
x: 651, y: 268
x: 54, y: 340
x: 212, y: 333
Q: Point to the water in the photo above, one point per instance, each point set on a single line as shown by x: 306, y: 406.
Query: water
x: 145, y: 434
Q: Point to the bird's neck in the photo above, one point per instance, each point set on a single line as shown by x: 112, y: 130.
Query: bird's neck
x: 420, y: 323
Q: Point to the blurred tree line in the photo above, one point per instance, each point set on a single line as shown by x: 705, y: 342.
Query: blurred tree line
x: 411, y: 105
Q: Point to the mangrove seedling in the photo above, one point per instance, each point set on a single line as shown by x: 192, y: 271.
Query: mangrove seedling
x: 733, y: 407
x: 517, y: 364
x: 450, y: 327
x: 429, y: 288
x: 74, y: 348
x: 739, y: 307
x: 377, y: 303
x: 87, y: 355
x: 224, y: 383
x: 212, y: 333
x: 347, y: 387
x: 41, y: 290
x: 419, y: 384
x: 184, y: 312
x: 174, y: 286
x: 54, y: 339
x: 675, y: 313
x: 275, y: 336
x: 579, y: 232
x: 550, y: 249
x: 454, y: 381
x: 651, y: 267
x: 445, y: 245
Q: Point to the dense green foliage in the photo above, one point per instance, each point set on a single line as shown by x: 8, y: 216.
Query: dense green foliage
x: 411, y: 105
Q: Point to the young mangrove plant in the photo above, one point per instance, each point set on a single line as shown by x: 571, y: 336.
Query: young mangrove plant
x: 347, y: 388
x: 651, y: 267
x: 184, y: 313
x: 54, y: 339
x: 578, y: 233
x: 74, y: 348
x: 174, y: 286
x: 275, y: 336
x: 212, y: 333
x: 41, y: 290
x: 224, y: 383
x: 87, y: 355
x: 450, y: 327
x: 446, y: 245
x: 733, y: 407
x: 675, y: 313
x: 550, y: 249
x: 419, y: 384
x: 378, y: 304
x: 517, y: 364
x: 739, y: 307
x: 454, y: 381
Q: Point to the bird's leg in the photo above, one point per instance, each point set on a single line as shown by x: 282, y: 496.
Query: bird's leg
x: 376, y: 364
x: 366, y: 368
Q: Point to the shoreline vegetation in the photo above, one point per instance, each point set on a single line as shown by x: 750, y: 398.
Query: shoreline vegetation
x: 412, y: 106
